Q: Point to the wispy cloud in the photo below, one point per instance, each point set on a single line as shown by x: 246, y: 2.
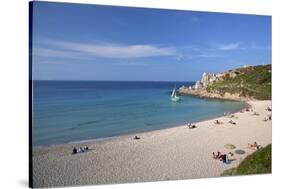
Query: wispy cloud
x: 230, y: 46
x: 130, y: 55
x: 104, y: 50
x: 56, y: 53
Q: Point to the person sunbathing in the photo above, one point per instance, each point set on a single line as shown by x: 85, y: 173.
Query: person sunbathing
x: 192, y: 126
x: 269, y: 117
x: 222, y: 157
x: 218, y: 122
x: 136, y: 137
x: 255, y: 113
x: 232, y: 122
x: 230, y: 156
x: 217, y: 156
x: 254, y: 146
x: 86, y: 148
x: 81, y: 149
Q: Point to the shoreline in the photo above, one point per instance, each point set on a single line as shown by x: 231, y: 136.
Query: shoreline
x: 166, y: 154
x: 86, y: 141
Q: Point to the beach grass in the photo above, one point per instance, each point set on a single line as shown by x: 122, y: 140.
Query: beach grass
x: 257, y: 163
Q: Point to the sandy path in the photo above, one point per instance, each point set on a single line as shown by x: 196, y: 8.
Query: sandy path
x: 168, y: 154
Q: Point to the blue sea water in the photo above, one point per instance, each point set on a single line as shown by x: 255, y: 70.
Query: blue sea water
x: 68, y: 111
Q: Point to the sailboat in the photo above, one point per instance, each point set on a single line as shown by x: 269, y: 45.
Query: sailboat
x: 174, y: 97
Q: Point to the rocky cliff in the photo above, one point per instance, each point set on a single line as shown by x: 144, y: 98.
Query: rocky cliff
x: 247, y: 83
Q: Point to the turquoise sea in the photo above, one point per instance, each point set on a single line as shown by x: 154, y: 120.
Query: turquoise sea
x: 70, y: 111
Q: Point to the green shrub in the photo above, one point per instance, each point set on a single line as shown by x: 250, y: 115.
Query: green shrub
x: 257, y: 163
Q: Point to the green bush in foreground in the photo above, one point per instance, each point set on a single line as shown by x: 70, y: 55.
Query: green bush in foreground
x: 257, y: 163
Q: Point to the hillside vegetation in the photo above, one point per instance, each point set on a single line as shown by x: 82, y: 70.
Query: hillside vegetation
x: 253, y: 81
x: 256, y: 163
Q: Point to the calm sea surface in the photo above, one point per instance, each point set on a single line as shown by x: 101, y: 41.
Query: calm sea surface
x: 69, y: 111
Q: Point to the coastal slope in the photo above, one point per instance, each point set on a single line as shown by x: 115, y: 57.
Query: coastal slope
x: 243, y: 84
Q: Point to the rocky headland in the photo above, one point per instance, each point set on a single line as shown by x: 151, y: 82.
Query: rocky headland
x: 241, y: 84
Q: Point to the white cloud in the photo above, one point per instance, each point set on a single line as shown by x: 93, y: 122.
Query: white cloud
x: 127, y: 54
x: 230, y: 46
x: 105, y: 50
x: 56, y: 53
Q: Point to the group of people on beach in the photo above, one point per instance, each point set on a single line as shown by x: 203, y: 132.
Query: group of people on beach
x: 230, y: 115
x: 229, y: 157
x: 268, y: 117
x: 80, y: 149
x: 217, y: 122
x: 249, y: 109
x: 225, y: 158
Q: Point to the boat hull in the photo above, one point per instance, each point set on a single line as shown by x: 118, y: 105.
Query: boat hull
x: 175, y: 99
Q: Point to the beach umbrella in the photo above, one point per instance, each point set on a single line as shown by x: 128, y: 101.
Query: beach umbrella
x: 230, y: 146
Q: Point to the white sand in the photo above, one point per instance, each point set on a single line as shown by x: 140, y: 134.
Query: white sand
x: 168, y: 154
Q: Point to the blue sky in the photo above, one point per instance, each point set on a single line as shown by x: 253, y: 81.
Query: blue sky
x: 90, y: 42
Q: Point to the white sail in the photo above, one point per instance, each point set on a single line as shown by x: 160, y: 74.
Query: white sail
x: 174, y: 97
x: 173, y: 93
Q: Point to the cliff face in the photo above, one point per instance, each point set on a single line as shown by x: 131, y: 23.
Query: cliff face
x: 247, y: 83
x: 207, y: 79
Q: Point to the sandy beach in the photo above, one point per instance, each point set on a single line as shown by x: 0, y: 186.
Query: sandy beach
x: 168, y: 154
